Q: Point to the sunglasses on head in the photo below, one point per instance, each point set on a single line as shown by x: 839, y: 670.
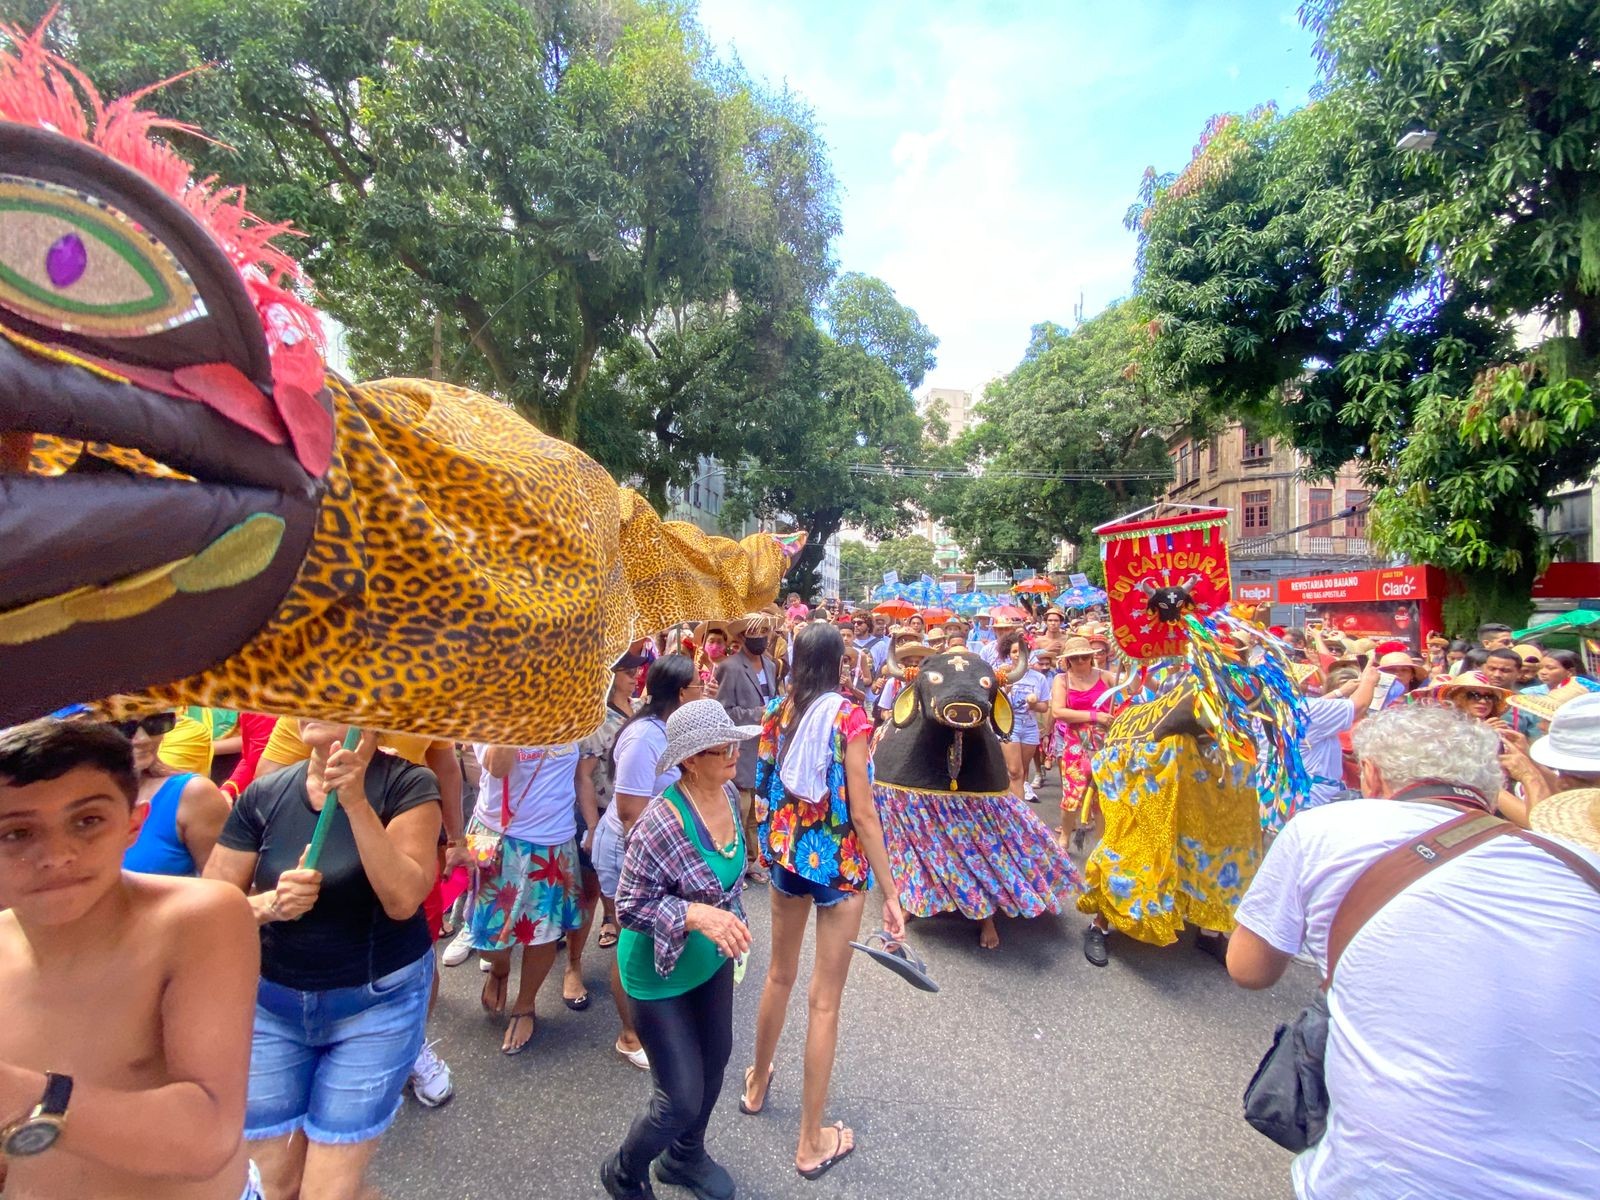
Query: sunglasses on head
x: 155, y: 725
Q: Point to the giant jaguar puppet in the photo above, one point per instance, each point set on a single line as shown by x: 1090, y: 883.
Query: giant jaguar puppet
x: 193, y: 511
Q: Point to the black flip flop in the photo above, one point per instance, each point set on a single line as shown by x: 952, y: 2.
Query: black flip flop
x: 898, y: 959
x: 578, y: 1005
x: 827, y: 1164
x: 743, y: 1106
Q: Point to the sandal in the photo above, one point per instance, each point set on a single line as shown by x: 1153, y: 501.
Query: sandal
x: 513, y: 1051
x: 493, y: 1008
x: 743, y: 1106
x: 840, y: 1153
x: 608, y: 935
x: 898, y: 959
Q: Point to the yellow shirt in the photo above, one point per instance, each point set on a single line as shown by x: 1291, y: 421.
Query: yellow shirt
x: 187, y: 747
x: 284, y: 747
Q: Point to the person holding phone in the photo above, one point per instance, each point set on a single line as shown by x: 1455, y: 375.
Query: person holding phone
x: 1327, y: 717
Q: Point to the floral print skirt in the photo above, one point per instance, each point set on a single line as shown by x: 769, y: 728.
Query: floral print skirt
x: 1182, y: 839
x: 534, y: 896
x: 972, y: 854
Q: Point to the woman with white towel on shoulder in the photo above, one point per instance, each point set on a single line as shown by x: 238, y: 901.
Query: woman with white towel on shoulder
x: 820, y: 836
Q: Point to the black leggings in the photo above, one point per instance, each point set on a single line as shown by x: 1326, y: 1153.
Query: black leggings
x: 688, y: 1039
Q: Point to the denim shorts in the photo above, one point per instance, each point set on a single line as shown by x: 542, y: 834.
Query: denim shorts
x: 335, y: 1062
x: 797, y: 887
x: 606, y: 852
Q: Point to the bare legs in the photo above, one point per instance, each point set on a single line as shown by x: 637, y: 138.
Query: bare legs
x: 628, y: 1042
x: 837, y: 926
x: 292, y: 1169
x: 1014, y: 767
x: 536, y: 963
x: 572, y: 987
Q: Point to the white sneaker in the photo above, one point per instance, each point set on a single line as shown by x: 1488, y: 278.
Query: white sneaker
x: 430, y: 1078
x: 459, y: 949
x: 637, y: 1057
x: 1028, y: 794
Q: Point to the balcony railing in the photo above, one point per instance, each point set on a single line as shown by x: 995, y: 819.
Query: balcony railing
x: 1333, y: 545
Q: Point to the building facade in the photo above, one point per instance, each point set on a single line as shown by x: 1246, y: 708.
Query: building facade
x: 1282, y: 525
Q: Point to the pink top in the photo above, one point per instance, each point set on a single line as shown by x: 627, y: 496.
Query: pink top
x: 1084, y: 701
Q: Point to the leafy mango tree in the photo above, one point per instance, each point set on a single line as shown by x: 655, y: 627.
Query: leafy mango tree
x: 1354, y: 273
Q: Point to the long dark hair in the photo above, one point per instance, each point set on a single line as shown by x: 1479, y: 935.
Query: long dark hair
x: 663, y: 685
x: 818, y: 651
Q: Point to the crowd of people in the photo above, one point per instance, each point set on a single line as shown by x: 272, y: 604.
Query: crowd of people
x: 286, y: 995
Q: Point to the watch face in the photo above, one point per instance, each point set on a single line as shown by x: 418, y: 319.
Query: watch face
x: 35, y: 1137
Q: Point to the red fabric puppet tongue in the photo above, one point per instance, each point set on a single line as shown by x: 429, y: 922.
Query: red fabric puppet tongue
x: 297, y: 382
x: 223, y: 388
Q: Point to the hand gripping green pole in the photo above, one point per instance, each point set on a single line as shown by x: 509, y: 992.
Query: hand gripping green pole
x: 330, y: 805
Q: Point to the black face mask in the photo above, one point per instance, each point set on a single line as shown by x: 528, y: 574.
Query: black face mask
x: 756, y: 646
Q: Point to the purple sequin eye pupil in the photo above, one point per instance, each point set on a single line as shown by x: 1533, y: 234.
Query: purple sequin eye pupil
x: 66, y: 260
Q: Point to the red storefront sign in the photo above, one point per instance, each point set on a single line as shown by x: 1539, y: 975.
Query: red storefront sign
x: 1358, y: 587
x: 1402, y: 602
x: 1568, y: 581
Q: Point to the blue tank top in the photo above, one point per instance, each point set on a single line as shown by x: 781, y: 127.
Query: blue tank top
x: 159, y: 850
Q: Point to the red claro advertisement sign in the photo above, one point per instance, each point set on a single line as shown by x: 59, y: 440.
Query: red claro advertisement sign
x: 1402, y: 602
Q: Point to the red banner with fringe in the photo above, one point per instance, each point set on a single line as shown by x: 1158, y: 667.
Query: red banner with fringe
x: 1157, y: 570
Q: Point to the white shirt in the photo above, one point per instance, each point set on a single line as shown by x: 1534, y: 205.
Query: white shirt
x: 1463, y: 1050
x: 1326, y: 718
x: 541, y: 790
x: 638, y: 748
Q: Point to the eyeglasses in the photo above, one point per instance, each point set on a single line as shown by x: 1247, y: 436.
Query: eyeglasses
x: 155, y: 725
x: 728, y: 753
x: 1479, y: 697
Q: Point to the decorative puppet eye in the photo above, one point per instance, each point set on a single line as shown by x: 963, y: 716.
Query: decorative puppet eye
x: 73, y: 263
x: 933, y: 677
x: 985, y: 682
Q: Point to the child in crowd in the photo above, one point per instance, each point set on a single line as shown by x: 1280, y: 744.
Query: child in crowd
x: 125, y: 1051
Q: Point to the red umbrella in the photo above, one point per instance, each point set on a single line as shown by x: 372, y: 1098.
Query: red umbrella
x: 896, y: 610
x: 1008, y: 612
x: 936, y: 616
x: 1038, y: 585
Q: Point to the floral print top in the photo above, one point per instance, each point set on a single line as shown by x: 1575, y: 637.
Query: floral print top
x: 815, y: 841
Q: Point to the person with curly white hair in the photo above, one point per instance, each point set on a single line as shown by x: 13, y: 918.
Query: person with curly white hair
x: 1462, y: 1056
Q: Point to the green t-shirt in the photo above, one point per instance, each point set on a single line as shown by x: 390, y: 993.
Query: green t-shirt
x: 700, y: 959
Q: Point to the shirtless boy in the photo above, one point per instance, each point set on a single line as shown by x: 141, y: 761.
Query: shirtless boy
x: 136, y: 992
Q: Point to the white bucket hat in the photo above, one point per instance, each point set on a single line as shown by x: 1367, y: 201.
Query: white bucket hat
x: 700, y: 725
x: 1573, y: 743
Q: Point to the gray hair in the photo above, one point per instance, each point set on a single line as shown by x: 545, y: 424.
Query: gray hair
x: 1409, y: 742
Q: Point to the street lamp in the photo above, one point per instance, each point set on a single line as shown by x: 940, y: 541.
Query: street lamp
x: 1417, y: 140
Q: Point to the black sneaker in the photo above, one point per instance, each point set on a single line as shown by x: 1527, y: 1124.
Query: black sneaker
x: 707, y: 1179
x: 619, y: 1189
x: 1094, y: 946
x: 1214, y: 944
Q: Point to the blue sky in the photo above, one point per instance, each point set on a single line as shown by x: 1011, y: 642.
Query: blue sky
x: 986, y: 152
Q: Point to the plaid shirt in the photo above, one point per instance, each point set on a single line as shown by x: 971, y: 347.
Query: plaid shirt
x: 663, y: 872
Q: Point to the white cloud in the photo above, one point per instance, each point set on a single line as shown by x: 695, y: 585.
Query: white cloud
x: 986, y: 155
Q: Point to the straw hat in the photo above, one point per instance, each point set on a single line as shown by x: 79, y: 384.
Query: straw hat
x: 1076, y: 647
x: 1544, y: 704
x: 756, y: 623
x: 1473, y: 681
x: 1396, y: 660
x: 1573, y: 743
x: 914, y: 652
x: 1572, y: 816
x: 700, y: 725
x: 709, y: 627
x: 1528, y: 652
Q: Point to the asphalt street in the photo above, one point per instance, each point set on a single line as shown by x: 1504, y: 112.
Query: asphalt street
x: 1030, y: 1074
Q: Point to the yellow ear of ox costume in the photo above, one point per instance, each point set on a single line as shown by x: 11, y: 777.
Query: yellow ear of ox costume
x: 195, y: 513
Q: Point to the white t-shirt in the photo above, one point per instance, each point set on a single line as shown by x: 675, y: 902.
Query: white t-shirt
x: 1031, y: 686
x: 1326, y: 718
x: 639, y: 747
x: 542, y: 788
x: 1463, y: 1050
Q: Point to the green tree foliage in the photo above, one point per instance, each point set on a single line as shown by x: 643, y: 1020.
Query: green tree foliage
x: 524, y: 187
x: 1307, y: 275
x: 862, y: 567
x: 863, y: 311
x: 1081, y: 403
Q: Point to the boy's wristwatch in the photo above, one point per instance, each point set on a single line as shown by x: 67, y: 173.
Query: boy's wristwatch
x: 39, y: 1130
